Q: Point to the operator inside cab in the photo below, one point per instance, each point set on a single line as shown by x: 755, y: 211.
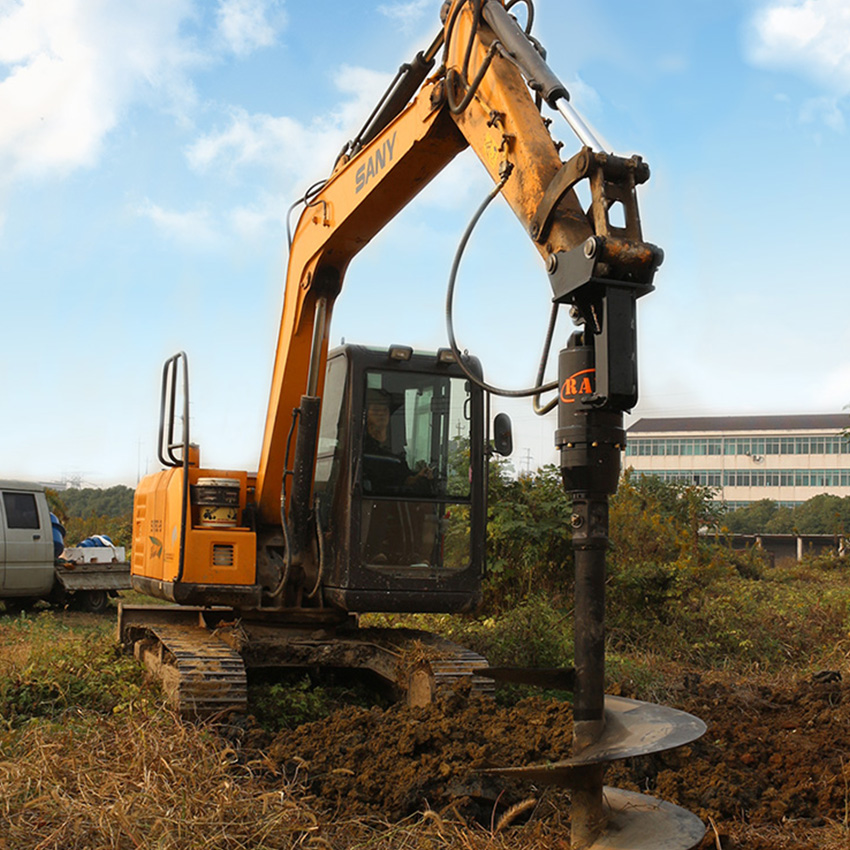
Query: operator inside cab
x: 385, y: 468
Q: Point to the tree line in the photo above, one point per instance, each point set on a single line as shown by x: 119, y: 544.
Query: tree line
x: 89, y: 511
x: 822, y: 514
x: 528, y: 534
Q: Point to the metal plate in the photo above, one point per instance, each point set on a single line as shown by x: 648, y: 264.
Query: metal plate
x: 638, y: 822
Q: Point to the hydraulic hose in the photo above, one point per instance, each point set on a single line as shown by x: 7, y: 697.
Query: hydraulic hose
x: 453, y: 344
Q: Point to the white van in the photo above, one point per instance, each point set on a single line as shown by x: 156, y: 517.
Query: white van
x: 28, y: 570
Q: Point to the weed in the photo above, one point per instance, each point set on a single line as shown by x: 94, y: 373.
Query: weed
x: 290, y: 700
x: 57, y: 668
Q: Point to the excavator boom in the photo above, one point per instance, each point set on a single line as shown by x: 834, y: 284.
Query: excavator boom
x: 503, y: 126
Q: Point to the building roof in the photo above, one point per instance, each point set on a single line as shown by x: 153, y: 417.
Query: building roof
x: 834, y: 422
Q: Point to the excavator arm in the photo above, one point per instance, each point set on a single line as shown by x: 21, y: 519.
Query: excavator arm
x: 485, y: 95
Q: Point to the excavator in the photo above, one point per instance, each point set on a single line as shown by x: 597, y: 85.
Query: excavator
x: 370, y: 492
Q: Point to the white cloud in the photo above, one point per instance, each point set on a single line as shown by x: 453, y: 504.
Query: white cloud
x: 246, y: 25
x: 251, y: 221
x: 194, y: 227
x: 825, y: 109
x: 248, y: 140
x: 809, y: 36
x: 407, y: 14
x: 296, y: 153
x: 73, y: 66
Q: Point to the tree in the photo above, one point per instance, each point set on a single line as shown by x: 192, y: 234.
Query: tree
x: 112, y: 501
x: 529, y: 543
x: 659, y: 521
x: 96, y: 511
x: 56, y: 504
x: 751, y: 519
x: 822, y: 514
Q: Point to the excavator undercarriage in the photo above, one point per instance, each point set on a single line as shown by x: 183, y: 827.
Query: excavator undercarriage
x: 202, y: 655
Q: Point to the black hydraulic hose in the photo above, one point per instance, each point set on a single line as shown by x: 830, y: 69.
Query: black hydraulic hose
x: 287, y: 542
x: 533, y: 391
x: 476, y: 19
x: 457, y: 108
x: 463, y: 76
x: 550, y: 331
x: 529, y: 6
x: 320, y: 542
x: 308, y: 199
x: 449, y: 28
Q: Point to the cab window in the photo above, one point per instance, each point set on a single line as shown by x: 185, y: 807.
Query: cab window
x: 21, y: 510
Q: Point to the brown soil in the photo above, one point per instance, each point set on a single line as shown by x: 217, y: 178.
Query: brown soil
x: 773, y: 770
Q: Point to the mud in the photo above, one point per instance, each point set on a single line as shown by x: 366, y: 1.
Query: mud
x: 394, y: 762
x: 773, y: 766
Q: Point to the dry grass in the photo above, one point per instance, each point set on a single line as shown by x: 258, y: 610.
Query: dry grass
x: 790, y: 836
x: 138, y: 781
x: 146, y: 780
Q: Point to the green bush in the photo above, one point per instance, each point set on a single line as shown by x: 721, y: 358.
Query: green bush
x: 643, y: 592
x: 535, y: 633
x: 529, y: 543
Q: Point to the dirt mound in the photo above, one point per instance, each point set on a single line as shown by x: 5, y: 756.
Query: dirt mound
x: 773, y: 754
x: 401, y: 760
x: 775, y: 761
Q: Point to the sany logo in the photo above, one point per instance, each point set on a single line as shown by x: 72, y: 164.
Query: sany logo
x: 373, y: 166
x: 579, y: 383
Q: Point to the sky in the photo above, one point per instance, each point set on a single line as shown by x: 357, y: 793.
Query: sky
x: 149, y: 151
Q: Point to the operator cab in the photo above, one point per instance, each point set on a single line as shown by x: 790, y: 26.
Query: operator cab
x: 400, y: 482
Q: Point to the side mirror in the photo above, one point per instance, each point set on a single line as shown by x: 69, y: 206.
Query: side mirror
x: 503, y: 438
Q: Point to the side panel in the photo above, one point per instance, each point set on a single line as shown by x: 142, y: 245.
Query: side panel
x: 28, y: 548
x: 150, y: 521
x: 214, y: 557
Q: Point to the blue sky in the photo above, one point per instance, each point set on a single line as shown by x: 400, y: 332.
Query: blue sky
x: 150, y: 148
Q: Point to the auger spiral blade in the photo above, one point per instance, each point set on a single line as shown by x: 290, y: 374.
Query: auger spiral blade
x: 638, y: 822
x: 632, y: 728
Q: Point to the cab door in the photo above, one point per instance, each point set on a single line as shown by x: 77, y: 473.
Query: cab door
x: 28, y: 542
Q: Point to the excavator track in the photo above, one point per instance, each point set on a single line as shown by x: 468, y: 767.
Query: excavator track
x: 201, y: 675
x: 428, y: 663
x: 201, y: 656
x: 464, y: 666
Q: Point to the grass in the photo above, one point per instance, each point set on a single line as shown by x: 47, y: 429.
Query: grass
x: 141, y: 779
x: 90, y: 757
x: 52, y: 665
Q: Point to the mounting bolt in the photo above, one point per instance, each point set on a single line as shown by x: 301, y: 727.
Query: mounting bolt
x: 551, y: 260
x: 590, y: 247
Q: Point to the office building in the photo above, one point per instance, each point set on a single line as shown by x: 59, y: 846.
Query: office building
x: 788, y: 459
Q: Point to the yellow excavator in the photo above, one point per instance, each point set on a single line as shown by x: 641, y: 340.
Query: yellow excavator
x: 370, y: 494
